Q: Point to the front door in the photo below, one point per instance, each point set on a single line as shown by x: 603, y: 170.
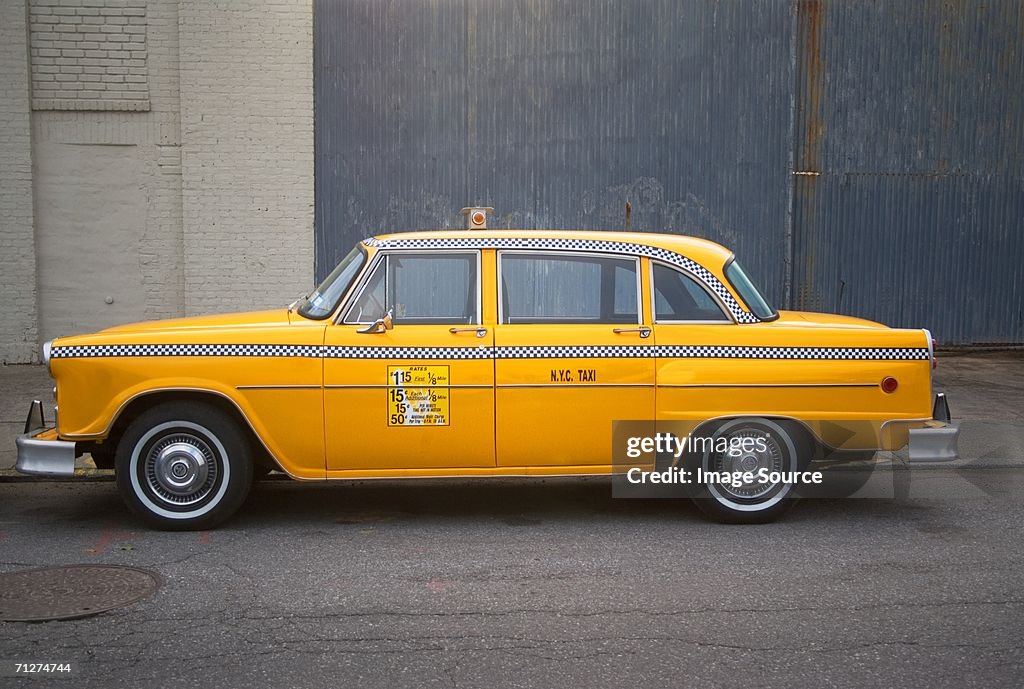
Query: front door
x: 573, y: 354
x: 419, y: 395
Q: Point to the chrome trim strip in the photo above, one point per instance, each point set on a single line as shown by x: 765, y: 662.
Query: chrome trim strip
x: 389, y: 387
x: 767, y: 385
x: 575, y: 385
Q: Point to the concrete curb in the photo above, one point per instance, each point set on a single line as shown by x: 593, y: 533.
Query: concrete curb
x: 81, y: 475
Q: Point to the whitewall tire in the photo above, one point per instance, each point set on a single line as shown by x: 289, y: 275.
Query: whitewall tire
x: 184, y: 465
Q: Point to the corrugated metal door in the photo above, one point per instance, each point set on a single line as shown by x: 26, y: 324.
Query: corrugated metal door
x: 909, y: 179
x: 860, y: 156
x: 556, y: 114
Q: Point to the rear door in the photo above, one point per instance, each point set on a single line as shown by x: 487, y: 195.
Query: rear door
x: 573, y: 354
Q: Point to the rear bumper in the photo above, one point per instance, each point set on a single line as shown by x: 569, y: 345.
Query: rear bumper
x: 938, y: 440
x: 40, y: 453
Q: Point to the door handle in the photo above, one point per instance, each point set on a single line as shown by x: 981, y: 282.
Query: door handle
x: 480, y: 332
x: 644, y: 331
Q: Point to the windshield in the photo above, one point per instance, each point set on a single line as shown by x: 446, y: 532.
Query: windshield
x: 745, y: 287
x: 324, y: 299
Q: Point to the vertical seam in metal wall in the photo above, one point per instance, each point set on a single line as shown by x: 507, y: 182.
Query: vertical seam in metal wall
x: 789, y: 255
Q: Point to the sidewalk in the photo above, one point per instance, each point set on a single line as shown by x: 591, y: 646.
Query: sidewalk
x: 986, y: 390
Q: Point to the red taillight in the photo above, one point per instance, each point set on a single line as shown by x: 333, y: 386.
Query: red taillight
x: 889, y: 384
x: 935, y: 361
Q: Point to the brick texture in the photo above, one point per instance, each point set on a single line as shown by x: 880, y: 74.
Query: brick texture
x: 247, y: 152
x: 154, y: 136
x: 223, y: 149
x: 18, y: 337
x: 89, y: 55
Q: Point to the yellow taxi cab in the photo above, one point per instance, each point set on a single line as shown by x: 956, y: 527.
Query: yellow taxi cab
x: 484, y: 353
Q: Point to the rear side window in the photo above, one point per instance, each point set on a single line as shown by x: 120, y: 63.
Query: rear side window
x: 560, y: 288
x: 679, y: 297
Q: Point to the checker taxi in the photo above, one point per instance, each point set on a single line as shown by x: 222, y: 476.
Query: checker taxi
x: 483, y: 353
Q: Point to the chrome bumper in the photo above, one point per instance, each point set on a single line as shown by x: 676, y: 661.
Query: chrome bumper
x: 43, y: 456
x: 937, y: 441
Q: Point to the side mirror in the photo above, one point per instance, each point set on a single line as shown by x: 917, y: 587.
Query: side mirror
x: 380, y: 325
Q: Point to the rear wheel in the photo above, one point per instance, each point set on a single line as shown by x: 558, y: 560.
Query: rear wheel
x: 184, y: 465
x: 761, y: 449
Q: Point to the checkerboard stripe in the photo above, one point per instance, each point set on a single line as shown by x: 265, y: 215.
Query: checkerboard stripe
x: 232, y: 350
x: 596, y: 245
x: 332, y: 352
x: 426, y: 353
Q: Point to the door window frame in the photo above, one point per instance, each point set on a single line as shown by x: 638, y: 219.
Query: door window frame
x: 381, y: 256
x: 560, y: 254
x: 728, y: 320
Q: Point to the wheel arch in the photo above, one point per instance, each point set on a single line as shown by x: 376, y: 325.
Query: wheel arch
x: 810, y: 442
x: 143, y: 401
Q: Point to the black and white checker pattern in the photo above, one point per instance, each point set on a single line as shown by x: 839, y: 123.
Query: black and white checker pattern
x: 234, y: 350
x: 567, y: 352
x: 821, y: 353
x: 333, y: 352
x: 598, y: 245
x: 576, y: 352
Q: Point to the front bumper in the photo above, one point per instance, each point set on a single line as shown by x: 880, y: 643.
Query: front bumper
x: 40, y: 451
x: 937, y: 440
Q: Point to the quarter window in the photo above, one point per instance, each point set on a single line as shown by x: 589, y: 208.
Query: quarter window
x: 678, y: 297
x: 568, y: 289
x: 420, y: 289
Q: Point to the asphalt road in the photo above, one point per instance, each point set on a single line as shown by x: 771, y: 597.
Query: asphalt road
x: 511, y: 583
x: 535, y: 584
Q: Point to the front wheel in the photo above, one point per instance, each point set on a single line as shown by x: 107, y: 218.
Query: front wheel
x: 738, y: 461
x: 183, y: 465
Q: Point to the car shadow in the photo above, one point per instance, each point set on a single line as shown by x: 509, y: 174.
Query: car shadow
x: 511, y: 502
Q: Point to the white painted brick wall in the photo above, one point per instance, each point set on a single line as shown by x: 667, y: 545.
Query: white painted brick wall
x: 155, y: 138
x: 247, y: 152
x: 17, y: 240
x: 89, y: 55
x: 226, y: 150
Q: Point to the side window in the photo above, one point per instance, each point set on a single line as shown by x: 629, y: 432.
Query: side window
x: 420, y: 289
x: 553, y: 288
x: 678, y: 297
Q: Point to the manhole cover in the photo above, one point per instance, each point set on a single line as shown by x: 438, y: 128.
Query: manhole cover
x: 67, y: 593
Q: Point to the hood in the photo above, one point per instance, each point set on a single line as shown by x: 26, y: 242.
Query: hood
x: 245, y: 319
x: 824, y: 320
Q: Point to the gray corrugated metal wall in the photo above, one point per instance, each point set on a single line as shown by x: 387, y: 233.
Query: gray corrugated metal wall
x: 906, y: 119
x: 912, y: 114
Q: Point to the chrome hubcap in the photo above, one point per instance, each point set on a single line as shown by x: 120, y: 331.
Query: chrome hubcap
x: 181, y: 468
x: 760, y: 450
